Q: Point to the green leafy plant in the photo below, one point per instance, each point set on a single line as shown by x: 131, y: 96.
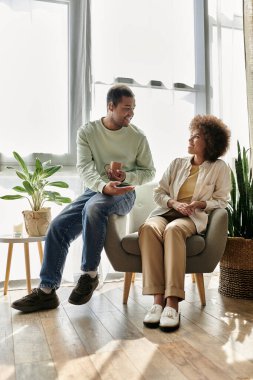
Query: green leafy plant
x: 240, y: 209
x: 35, y: 184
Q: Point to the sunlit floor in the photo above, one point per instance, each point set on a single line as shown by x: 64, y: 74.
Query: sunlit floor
x: 105, y: 339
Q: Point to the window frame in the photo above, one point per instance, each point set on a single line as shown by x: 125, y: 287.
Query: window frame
x: 75, y: 97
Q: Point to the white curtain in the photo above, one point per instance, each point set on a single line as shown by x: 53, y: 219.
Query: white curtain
x: 80, y: 61
x: 227, y: 69
x: 248, y: 44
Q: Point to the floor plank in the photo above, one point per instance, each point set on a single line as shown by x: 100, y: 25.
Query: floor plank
x: 107, y: 340
x: 214, y: 351
x: 192, y: 363
x: 7, y: 365
x: 68, y: 353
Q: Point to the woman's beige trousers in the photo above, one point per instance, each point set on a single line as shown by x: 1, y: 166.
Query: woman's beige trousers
x: 162, y: 241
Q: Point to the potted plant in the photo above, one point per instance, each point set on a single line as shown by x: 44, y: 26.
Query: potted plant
x: 236, y: 266
x: 35, y: 189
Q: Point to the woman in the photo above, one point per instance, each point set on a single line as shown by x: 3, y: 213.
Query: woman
x: 190, y: 188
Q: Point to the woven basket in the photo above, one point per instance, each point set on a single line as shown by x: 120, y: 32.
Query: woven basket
x: 37, y: 222
x: 236, y: 269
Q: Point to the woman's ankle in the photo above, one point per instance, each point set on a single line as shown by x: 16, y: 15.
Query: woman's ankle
x: 159, y: 299
x: 172, y: 302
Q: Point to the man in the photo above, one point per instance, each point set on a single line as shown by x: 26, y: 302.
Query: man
x: 108, y: 191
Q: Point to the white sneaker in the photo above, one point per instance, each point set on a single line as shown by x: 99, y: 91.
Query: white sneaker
x: 153, y: 316
x: 170, y: 319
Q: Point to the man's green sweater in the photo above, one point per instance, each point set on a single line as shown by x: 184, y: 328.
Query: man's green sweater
x: 97, y: 146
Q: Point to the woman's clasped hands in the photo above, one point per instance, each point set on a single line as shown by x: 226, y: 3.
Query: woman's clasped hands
x: 187, y: 208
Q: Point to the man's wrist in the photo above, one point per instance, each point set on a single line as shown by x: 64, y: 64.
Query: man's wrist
x: 101, y: 187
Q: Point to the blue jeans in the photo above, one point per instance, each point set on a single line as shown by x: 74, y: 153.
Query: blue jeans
x: 88, y: 215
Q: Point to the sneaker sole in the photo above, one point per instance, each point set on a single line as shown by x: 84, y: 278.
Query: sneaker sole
x: 83, y: 301
x: 29, y: 309
x: 151, y: 325
x: 170, y: 328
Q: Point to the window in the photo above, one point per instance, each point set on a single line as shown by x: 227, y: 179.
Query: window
x: 157, y: 48
x: 40, y: 64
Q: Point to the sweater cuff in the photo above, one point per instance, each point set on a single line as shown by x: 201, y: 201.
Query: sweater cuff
x: 101, y: 186
x: 127, y: 178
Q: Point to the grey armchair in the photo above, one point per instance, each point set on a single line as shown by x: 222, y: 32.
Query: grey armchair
x: 122, y: 247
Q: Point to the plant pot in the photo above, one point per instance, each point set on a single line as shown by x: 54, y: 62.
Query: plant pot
x: 236, y: 269
x: 37, y: 222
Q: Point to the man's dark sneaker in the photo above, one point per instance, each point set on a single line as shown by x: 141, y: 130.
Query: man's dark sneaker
x: 84, y: 289
x: 37, y: 300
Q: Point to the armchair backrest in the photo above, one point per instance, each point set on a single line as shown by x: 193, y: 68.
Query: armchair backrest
x: 122, y: 248
x: 143, y: 206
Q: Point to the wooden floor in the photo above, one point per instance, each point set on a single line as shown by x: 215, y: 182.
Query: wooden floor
x: 106, y: 340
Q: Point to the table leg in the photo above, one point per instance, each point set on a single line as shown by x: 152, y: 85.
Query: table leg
x: 8, y: 268
x: 40, y: 251
x: 27, y: 267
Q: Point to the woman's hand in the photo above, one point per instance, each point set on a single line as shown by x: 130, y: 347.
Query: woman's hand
x: 185, y: 208
x: 197, y: 204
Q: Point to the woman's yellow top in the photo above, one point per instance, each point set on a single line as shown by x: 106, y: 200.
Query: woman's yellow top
x: 187, y: 189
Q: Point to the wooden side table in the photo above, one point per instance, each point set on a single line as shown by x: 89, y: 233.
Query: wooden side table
x: 26, y: 240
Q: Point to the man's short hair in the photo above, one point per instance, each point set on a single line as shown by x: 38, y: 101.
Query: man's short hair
x: 116, y: 92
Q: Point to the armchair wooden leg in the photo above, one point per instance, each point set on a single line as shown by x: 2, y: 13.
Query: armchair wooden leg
x: 127, y: 284
x: 193, y: 277
x: 133, y: 277
x: 201, y: 287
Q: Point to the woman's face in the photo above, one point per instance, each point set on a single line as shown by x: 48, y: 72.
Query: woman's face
x: 197, y: 143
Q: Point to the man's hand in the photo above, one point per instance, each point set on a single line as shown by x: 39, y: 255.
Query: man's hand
x: 116, y: 175
x: 111, y: 188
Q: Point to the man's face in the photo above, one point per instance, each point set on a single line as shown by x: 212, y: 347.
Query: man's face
x: 123, y: 112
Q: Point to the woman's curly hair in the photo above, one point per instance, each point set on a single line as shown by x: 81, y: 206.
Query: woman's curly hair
x: 216, y: 135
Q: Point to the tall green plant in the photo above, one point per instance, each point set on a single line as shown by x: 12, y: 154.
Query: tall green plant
x: 240, y: 209
x: 35, y: 184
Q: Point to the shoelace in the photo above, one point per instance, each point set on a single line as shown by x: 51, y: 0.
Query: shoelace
x: 33, y: 294
x: 83, y: 281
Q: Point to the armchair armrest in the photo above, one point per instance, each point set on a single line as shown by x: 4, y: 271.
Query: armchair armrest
x: 215, y: 243
x: 118, y: 257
